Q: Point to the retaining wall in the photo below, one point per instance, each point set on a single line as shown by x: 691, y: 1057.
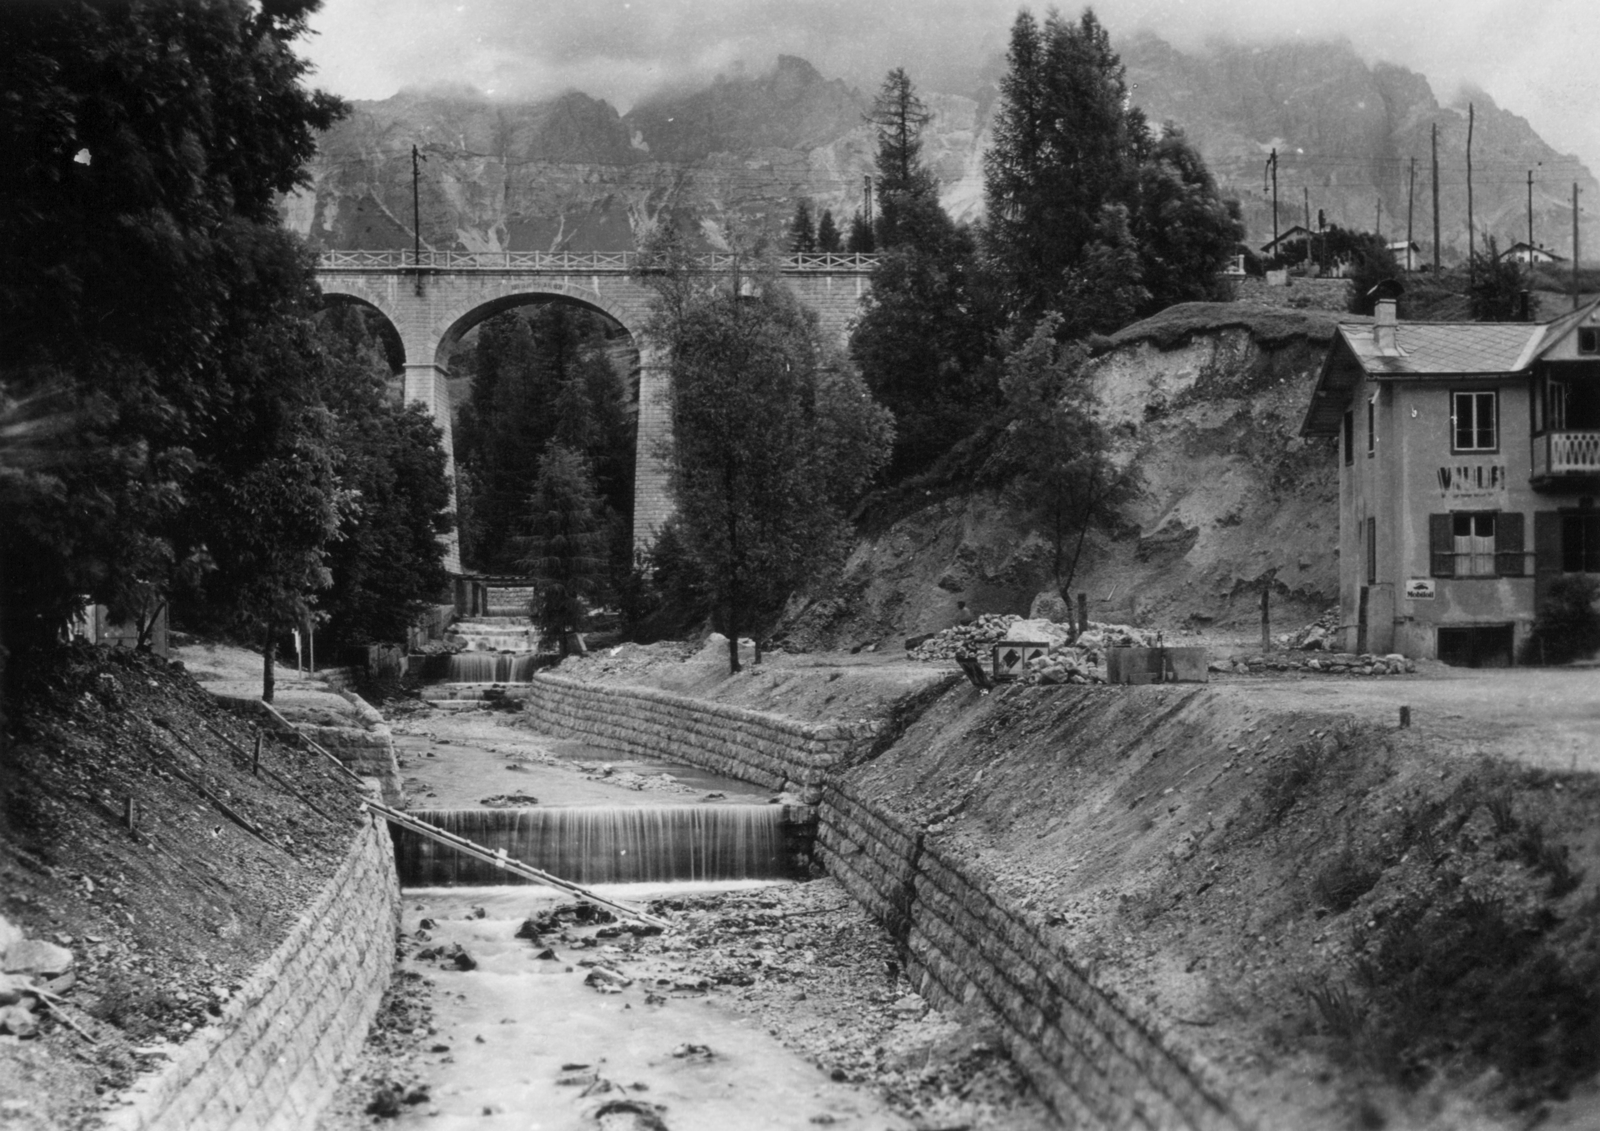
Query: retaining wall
x: 770, y: 750
x: 1097, y: 1059
x: 283, y: 1042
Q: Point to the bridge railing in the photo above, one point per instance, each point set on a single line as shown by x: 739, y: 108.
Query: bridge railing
x: 586, y: 262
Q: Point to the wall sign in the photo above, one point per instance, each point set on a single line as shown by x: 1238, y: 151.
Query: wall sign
x: 1419, y: 589
x: 1472, y: 480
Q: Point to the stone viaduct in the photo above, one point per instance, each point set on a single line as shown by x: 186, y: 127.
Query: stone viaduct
x: 431, y: 300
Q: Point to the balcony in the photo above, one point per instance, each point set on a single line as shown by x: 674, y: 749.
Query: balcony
x: 1563, y: 459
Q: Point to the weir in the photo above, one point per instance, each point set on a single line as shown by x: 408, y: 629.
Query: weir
x: 615, y: 844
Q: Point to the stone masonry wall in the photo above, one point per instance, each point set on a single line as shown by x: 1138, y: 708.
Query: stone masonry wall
x: 1092, y: 1056
x: 1098, y: 1059
x: 283, y: 1042
x: 769, y: 750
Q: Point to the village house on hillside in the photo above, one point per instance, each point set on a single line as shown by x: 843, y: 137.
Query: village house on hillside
x: 1469, y: 467
x: 1524, y: 252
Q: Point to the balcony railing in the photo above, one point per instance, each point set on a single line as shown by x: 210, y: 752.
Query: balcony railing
x: 1566, y: 454
x: 586, y: 263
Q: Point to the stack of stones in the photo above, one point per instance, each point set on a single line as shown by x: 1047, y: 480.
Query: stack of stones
x: 1335, y: 663
x: 973, y: 639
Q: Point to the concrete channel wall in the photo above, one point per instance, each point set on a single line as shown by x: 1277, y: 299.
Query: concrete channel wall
x: 1096, y: 1060
x: 770, y: 750
x: 283, y: 1042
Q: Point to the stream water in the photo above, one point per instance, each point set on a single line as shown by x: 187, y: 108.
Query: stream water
x: 536, y: 1044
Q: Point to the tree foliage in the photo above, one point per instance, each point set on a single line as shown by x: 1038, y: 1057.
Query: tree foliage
x: 565, y: 546
x: 773, y: 434
x: 387, y: 563
x: 1056, y: 447
x: 1495, y: 284
x: 1067, y: 145
x: 540, y: 376
x: 147, y: 289
x: 828, y: 238
x: 802, y: 231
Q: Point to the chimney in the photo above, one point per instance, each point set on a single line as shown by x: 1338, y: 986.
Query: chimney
x: 1383, y: 329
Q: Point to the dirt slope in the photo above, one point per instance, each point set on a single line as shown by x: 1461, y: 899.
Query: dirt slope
x: 1360, y: 925
x: 164, y: 922
x: 1206, y: 401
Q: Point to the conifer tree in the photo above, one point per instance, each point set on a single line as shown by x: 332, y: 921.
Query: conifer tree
x: 802, y: 234
x: 860, y: 241
x: 828, y: 238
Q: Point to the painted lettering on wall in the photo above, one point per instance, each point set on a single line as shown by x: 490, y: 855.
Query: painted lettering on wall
x: 1472, y: 478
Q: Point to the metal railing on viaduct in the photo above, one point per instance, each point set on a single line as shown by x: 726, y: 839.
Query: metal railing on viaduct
x: 574, y: 262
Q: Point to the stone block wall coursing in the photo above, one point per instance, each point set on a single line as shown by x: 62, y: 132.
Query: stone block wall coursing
x: 769, y: 750
x: 1096, y: 1061
x: 283, y: 1042
x: 1096, y: 1058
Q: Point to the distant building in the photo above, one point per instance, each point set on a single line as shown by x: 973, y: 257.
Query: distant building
x: 1468, y: 477
x: 1295, y: 236
x: 1521, y: 252
x: 1406, y: 253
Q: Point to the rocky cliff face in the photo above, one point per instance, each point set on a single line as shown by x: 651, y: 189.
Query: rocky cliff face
x: 574, y: 174
x: 1345, y: 133
x: 1229, y: 500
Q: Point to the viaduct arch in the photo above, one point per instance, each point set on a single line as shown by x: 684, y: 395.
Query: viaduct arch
x: 430, y: 301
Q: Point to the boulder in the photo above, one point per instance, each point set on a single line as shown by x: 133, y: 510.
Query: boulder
x: 1048, y: 606
x: 35, y: 956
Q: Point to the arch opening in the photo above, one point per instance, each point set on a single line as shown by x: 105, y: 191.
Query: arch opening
x: 378, y: 321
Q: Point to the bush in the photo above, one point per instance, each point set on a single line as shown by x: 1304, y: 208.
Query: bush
x: 1568, y: 627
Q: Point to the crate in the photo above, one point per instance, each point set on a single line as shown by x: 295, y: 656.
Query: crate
x: 1010, y: 657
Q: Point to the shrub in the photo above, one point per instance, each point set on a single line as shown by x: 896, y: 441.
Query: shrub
x: 1568, y: 626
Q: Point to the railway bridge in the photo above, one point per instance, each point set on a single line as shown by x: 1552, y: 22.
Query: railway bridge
x: 430, y: 299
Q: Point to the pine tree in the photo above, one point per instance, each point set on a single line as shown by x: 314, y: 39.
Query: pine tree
x: 565, y: 550
x: 802, y: 235
x: 828, y: 239
x: 908, y: 194
x: 861, y: 241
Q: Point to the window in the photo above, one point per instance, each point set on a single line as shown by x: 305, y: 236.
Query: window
x: 1589, y: 339
x: 1372, y: 424
x: 1580, y: 543
x: 1474, y: 420
x: 1349, y: 437
x: 1372, y: 551
x: 1476, y: 544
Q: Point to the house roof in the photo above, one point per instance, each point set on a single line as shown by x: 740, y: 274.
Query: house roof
x: 1426, y: 350
x: 1523, y: 247
x: 1297, y: 232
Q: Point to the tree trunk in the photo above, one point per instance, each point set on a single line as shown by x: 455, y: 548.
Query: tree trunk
x: 266, y: 663
x: 732, y: 627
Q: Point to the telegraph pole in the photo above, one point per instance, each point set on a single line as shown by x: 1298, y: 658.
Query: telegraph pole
x: 1411, y: 206
x: 1377, y: 226
x: 1574, y: 245
x: 1272, y: 164
x: 1530, y: 221
x: 1472, y: 238
x: 416, y: 215
x: 1436, y: 200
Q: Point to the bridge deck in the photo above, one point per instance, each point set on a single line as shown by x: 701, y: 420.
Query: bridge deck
x: 587, y: 263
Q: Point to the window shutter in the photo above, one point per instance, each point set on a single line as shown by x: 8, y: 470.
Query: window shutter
x: 1546, y: 553
x: 1508, y: 561
x: 1442, y: 545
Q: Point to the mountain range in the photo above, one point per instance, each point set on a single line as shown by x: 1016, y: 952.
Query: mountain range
x: 572, y: 173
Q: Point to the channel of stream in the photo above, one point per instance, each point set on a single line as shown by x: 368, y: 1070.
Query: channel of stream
x: 531, y: 1035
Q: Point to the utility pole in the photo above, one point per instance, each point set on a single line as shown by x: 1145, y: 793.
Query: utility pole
x: 1377, y: 225
x: 1472, y: 238
x: 1411, y: 206
x: 1272, y: 164
x: 1574, y: 245
x: 1436, y: 200
x: 416, y: 215
x: 866, y: 196
x: 1530, y: 221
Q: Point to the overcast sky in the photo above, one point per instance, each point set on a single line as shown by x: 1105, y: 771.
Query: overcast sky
x: 1534, y: 57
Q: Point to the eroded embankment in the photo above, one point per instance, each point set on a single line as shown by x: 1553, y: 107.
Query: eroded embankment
x: 1207, y: 907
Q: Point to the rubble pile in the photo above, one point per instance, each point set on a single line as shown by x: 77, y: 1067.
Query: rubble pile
x: 1332, y: 663
x: 1318, y: 636
x: 973, y: 639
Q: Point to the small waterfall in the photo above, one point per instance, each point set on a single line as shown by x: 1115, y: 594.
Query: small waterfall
x: 491, y: 667
x: 606, y: 844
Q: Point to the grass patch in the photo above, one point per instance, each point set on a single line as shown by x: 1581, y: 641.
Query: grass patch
x: 1269, y: 325
x: 1345, y: 878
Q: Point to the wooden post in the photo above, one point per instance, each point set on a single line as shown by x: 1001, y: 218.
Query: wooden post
x: 1083, y: 612
x: 1266, y: 620
x: 1436, y: 200
x: 1405, y: 717
x: 1472, y: 236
